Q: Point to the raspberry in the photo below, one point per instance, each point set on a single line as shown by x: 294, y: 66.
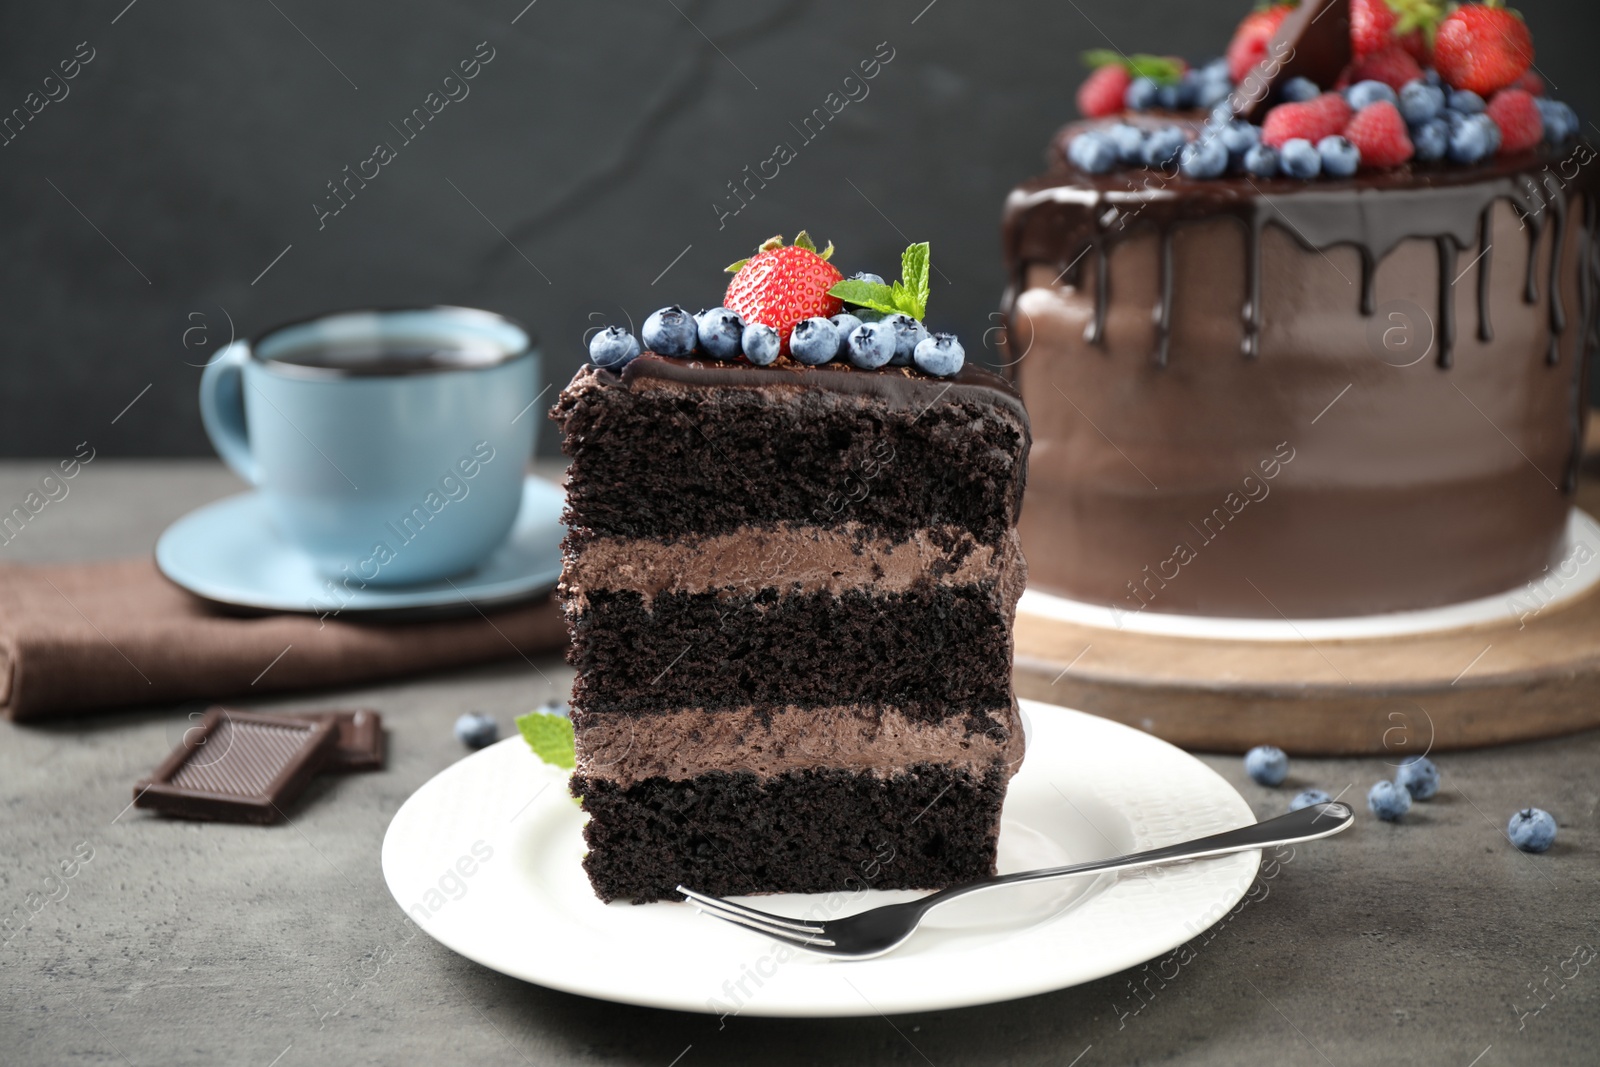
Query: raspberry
x: 1393, y: 66
x: 1102, y: 91
x: 1323, y: 117
x: 1516, y: 112
x: 1380, y: 132
x: 1531, y: 82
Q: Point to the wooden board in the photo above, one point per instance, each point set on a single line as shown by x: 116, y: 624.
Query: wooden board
x: 1515, y: 681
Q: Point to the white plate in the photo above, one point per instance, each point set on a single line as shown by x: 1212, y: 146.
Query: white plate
x: 1577, y: 572
x: 230, y: 552
x: 485, y: 857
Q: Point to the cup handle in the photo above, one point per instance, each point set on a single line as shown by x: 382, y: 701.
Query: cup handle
x: 222, y: 410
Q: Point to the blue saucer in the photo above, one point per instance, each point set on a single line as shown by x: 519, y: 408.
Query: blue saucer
x: 230, y: 553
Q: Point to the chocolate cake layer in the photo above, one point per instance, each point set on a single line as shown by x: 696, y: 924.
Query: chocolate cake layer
x: 626, y: 749
x: 685, y: 447
x: 932, y: 651
x: 804, y: 831
x: 1416, y: 340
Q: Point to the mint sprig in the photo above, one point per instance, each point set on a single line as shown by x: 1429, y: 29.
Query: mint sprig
x: 1162, y: 70
x: 550, y: 737
x: 908, y: 296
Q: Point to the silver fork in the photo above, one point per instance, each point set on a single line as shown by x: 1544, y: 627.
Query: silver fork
x: 881, y: 930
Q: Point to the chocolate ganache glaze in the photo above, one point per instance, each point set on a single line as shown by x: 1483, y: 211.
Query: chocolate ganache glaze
x: 1173, y: 338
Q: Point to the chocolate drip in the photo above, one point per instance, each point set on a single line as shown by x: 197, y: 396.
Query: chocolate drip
x: 1485, y: 260
x: 1252, y: 306
x: 1558, y: 244
x: 1164, y: 312
x: 1102, y: 292
x: 1447, y: 302
x: 1064, y: 215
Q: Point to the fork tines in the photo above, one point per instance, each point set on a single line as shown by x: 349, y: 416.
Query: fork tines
x: 794, y: 931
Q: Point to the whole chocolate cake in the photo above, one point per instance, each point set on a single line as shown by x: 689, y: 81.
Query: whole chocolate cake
x: 1332, y: 364
x: 790, y: 590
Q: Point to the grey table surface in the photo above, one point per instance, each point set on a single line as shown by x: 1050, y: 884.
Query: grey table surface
x: 1432, y: 943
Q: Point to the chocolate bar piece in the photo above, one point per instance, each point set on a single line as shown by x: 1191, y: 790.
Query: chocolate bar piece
x: 360, y: 743
x: 238, y: 767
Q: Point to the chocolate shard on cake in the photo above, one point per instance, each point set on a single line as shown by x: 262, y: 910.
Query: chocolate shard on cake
x: 790, y: 591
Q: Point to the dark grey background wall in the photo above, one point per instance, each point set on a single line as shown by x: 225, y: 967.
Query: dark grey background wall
x: 170, y: 197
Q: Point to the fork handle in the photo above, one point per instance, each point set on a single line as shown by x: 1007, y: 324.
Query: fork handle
x: 1307, y: 824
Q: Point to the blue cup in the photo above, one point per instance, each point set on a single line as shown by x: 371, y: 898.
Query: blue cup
x: 388, y: 446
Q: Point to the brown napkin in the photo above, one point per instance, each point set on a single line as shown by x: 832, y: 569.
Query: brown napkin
x: 83, y: 637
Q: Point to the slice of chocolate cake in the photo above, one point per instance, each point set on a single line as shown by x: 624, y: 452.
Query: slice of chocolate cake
x: 790, y: 591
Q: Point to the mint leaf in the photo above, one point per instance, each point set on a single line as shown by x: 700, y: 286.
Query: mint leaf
x: 866, y: 294
x: 550, y: 737
x: 914, y: 264
x: 1162, y: 70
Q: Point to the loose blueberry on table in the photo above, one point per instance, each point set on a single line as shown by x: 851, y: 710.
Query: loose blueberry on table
x: 1532, y: 830
x: 1308, y: 798
x: 1388, y: 801
x: 1426, y: 85
x: 790, y: 301
x: 1419, y: 776
x: 1266, y: 765
x: 477, y: 730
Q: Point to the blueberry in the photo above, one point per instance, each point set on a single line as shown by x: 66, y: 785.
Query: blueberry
x: 1308, y: 798
x: 908, y: 333
x: 670, y: 332
x: 940, y: 355
x: 1093, y: 152
x: 1300, y: 90
x: 613, y: 348
x: 1340, y: 158
x: 1388, y: 801
x: 1262, y: 161
x: 477, y: 730
x: 1299, y: 158
x: 1532, y: 830
x: 1141, y: 95
x: 1432, y: 77
x: 555, y: 707
x: 1213, y: 93
x: 1204, y: 159
x: 1364, y: 94
x: 870, y: 345
x: 1560, y: 121
x: 719, y: 331
x: 1239, y: 138
x: 814, y: 341
x: 1420, y: 102
x: 863, y: 276
x: 1491, y: 130
x: 1129, y: 141
x: 1419, y: 776
x: 1161, y: 148
x: 1266, y: 765
x: 760, y: 343
x: 1469, y: 141
x: 1466, y: 101
x: 845, y: 322
x: 1216, y: 69
x: 1432, y: 140
x: 1170, y: 97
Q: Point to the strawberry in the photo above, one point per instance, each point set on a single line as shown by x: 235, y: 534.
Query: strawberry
x: 1393, y: 66
x: 1483, y: 47
x: 1521, y: 123
x: 1102, y: 91
x: 1379, y: 131
x: 782, y: 285
x: 1250, y: 40
x: 1376, y: 25
x: 1313, y: 120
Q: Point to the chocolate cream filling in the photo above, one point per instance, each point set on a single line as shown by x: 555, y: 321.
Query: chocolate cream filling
x: 791, y: 557
x: 766, y: 742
